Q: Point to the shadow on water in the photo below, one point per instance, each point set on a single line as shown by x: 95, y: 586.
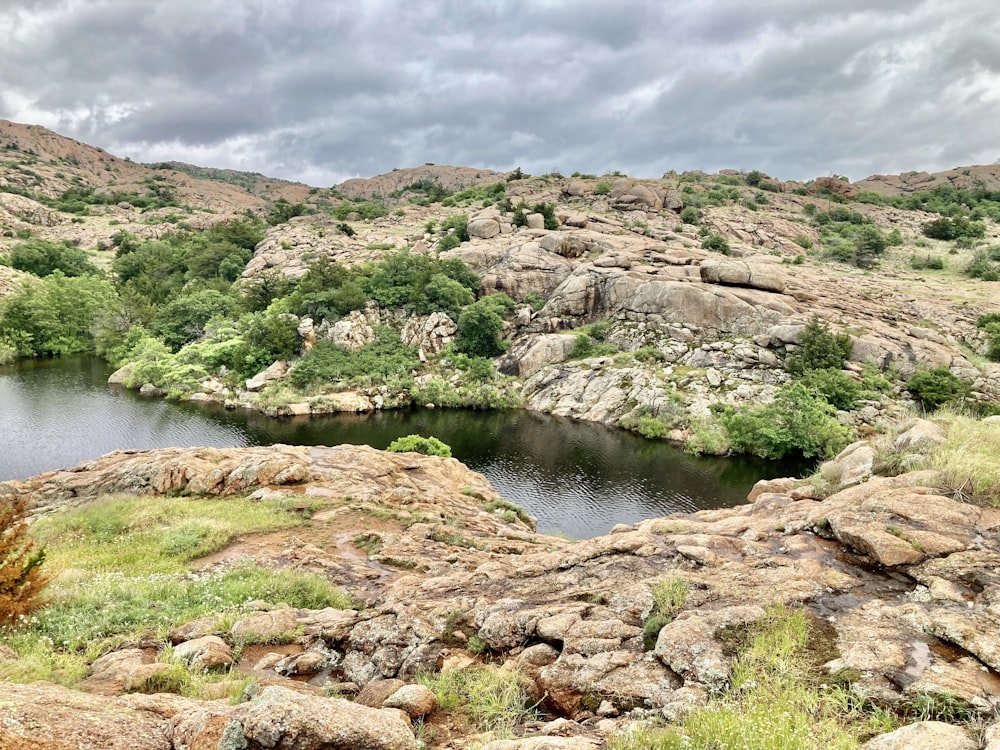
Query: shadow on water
x: 579, y: 479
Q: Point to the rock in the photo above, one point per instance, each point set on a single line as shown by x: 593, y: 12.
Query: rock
x: 430, y: 333
x: 123, y: 373
x: 535, y: 221
x: 483, y: 228
x: 50, y: 717
x: 851, y: 466
x: 352, y: 332
x: 122, y: 671
x: 265, y: 626
x: 415, y: 700
x: 919, y: 435
x: 924, y: 735
x: 151, y: 391
x: 273, y: 372
x: 689, y: 646
x: 375, y: 692
x: 282, y: 719
x: 307, y: 331
x: 741, y: 273
x: 770, y: 486
x: 530, y: 354
x: 208, y: 652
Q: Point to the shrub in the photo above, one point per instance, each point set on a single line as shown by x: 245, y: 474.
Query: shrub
x: 690, y: 215
x: 835, y: 387
x: 717, y: 243
x: 377, y: 362
x: 952, y: 228
x: 480, y: 325
x: 42, y: 257
x: 796, y: 422
x: 984, y: 266
x: 868, y: 245
x: 429, y: 446
x: 921, y: 262
x: 937, y: 387
x: 21, y: 577
x: 602, y: 188
x: 818, y: 349
x: 184, y: 318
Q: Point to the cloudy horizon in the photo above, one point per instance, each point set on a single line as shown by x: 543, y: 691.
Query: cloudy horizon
x: 323, y: 91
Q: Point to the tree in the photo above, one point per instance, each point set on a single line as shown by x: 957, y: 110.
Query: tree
x: 479, y: 326
x: 21, y: 576
x: 819, y: 349
x: 42, y: 257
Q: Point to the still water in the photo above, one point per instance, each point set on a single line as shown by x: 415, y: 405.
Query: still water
x: 578, y: 479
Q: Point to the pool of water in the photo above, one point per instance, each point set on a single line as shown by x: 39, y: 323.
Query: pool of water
x: 577, y: 478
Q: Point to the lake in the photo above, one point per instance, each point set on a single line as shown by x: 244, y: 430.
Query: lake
x: 577, y: 478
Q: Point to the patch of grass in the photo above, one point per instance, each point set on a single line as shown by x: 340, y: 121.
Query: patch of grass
x: 120, y: 577
x: 371, y: 543
x: 134, y: 536
x: 508, y: 511
x: 967, y: 459
x: 669, y: 596
x: 776, y: 699
x: 494, y: 700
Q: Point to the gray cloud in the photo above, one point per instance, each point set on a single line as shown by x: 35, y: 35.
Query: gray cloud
x: 325, y: 91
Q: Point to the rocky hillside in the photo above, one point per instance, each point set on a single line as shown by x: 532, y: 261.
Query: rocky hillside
x: 641, y: 302
x: 896, y: 581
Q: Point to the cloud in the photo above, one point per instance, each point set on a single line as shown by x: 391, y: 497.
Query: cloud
x: 324, y: 91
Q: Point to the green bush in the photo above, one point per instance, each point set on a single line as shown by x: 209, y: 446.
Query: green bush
x: 835, y: 387
x: 602, y: 188
x: 818, y: 349
x: 984, y: 265
x: 952, y: 228
x: 429, y: 446
x: 690, y: 215
x: 937, y: 387
x: 717, y: 243
x: 377, y: 362
x: 480, y: 326
x: 796, y: 422
x: 921, y: 262
x: 42, y: 257
x: 184, y: 318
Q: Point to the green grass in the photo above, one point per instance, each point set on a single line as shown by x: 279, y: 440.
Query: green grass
x: 777, y: 698
x: 494, y: 700
x: 120, y: 576
x: 132, y: 535
x: 967, y: 459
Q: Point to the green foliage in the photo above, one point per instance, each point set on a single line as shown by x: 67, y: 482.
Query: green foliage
x: 365, y: 211
x: 429, y: 446
x: 54, y: 315
x: 818, y: 349
x: 480, y: 326
x: 716, y: 243
x: 754, y: 178
x: 548, y: 212
x: 835, y: 387
x: 602, y: 188
x: 183, y: 319
x: 459, y: 223
x: 985, y: 264
x: 921, y: 262
x: 481, y: 195
x: 869, y: 244
x: 42, y: 257
x: 383, y: 359
x: 402, y: 279
x: 798, y: 421
x: 268, y: 337
x: 494, y: 700
x: 690, y: 215
x: 936, y: 387
x: 952, y: 228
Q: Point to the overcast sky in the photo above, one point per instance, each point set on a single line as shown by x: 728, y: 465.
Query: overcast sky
x: 323, y: 90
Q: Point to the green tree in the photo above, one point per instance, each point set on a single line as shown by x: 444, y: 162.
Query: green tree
x: 480, y: 326
x: 183, y: 319
x: 818, y: 349
x: 42, y: 257
x: 937, y: 387
x: 429, y: 446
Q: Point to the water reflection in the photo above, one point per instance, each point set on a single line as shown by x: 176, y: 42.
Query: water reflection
x: 578, y: 479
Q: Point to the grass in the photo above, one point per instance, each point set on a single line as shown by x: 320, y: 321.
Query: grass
x: 967, y: 459
x: 494, y: 700
x: 669, y: 596
x: 778, y: 698
x: 120, y: 577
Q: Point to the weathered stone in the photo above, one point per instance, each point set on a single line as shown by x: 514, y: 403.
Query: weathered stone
x: 923, y: 735
x: 415, y: 700
x: 265, y: 626
x: 273, y: 372
x: 375, y: 692
x: 208, y: 652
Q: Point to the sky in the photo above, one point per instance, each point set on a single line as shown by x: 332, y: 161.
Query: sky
x: 323, y: 90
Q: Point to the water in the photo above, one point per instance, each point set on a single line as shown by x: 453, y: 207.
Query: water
x: 577, y: 478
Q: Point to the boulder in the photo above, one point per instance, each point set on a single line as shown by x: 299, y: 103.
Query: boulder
x: 208, y: 652
x: 415, y: 700
x: 273, y: 372
x: 265, y: 626
x: 741, y: 273
x: 924, y: 735
x: 484, y: 228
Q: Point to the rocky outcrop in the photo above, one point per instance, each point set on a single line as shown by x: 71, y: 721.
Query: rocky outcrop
x: 451, y: 179
x: 901, y: 577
